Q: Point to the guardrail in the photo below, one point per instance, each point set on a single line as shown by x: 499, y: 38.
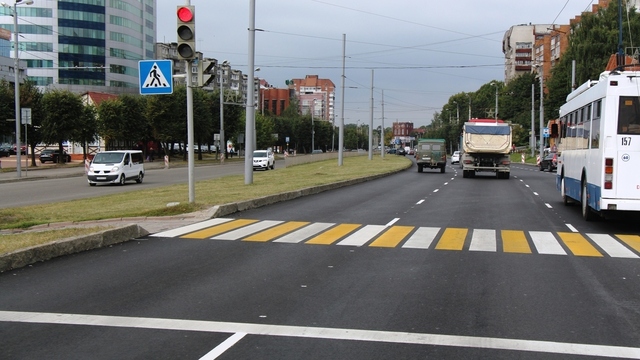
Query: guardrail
x: 307, y: 158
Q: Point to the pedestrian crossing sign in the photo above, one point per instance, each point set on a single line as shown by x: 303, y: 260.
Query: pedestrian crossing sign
x: 156, y: 77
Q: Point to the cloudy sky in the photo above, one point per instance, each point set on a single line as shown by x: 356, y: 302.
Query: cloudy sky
x: 420, y: 54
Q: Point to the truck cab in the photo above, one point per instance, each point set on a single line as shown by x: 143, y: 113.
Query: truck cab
x: 432, y: 154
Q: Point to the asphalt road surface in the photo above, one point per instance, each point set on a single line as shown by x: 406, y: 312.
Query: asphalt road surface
x: 414, y: 265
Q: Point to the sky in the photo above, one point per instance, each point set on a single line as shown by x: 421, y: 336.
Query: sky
x: 420, y: 54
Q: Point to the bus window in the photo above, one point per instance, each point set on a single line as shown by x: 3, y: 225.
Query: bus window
x: 629, y: 115
x: 595, y: 133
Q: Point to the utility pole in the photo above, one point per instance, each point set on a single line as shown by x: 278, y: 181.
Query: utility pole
x: 371, y: 122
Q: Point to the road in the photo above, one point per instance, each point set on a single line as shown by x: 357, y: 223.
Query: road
x: 409, y: 266
x: 43, y: 191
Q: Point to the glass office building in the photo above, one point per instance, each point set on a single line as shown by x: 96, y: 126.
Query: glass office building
x: 83, y: 45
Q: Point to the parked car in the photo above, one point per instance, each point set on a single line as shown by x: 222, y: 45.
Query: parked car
x: 52, y: 155
x: 455, y: 158
x: 549, y: 162
x: 263, y: 159
x: 391, y: 151
x: 23, y: 149
x: 5, y: 150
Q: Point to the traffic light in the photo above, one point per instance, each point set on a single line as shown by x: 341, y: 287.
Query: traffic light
x: 206, y: 72
x: 186, y: 29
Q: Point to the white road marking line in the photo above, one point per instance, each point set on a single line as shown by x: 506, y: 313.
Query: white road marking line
x: 247, y: 230
x: 422, y: 238
x: 325, y: 333
x: 420, y: 202
x: 392, y: 222
x: 546, y: 243
x: 612, y: 247
x: 573, y: 229
x: 304, y: 233
x: 483, y: 240
x: 548, y: 205
x: 191, y: 228
x: 223, y: 347
x: 362, y: 236
x: 435, y: 191
x: 535, y: 193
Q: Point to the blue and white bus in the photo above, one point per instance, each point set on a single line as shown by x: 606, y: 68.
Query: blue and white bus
x: 599, y: 145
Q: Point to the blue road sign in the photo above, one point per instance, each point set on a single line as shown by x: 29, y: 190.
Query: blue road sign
x: 156, y: 77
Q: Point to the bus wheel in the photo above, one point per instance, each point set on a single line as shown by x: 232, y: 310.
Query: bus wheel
x: 565, y: 198
x: 587, y: 214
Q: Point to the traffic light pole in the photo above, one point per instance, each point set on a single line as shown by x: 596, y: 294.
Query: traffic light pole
x: 190, y: 147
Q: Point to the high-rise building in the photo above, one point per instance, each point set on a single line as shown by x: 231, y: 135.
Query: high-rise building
x: 315, y: 96
x: 84, y: 45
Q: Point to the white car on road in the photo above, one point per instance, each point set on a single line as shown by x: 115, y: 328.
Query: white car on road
x: 455, y: 158
x: 263, y: 159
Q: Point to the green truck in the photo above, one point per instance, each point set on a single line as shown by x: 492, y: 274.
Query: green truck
x: 432, y: 154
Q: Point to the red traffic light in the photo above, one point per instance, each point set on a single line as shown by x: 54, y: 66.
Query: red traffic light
x: 185, y: 14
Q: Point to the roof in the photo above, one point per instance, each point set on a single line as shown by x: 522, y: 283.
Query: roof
x: 95, y: 98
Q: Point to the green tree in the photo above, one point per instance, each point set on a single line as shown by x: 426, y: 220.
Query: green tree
x: 88, y: 133
x: 592, y: 42
x: 63, y: 115
x: 31, y: 98
x: 110, y: 125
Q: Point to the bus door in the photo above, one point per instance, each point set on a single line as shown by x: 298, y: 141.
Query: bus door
x: 626, y: 165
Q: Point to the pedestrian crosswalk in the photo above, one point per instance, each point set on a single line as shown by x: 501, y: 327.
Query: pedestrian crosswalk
x: 413, y: 237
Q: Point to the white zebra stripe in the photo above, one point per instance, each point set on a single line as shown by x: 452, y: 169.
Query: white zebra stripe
x: 247, y: 230
x: 612, y: 247
x: 546, y: 243
x: 304, y: 233
x: 483, y: 240
x: 421, y: 238
x: 191, y: 228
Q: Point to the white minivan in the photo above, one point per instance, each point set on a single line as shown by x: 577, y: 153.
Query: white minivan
x: 118, y: 166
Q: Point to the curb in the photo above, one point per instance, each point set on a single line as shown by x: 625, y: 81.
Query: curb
x: 72, y: 245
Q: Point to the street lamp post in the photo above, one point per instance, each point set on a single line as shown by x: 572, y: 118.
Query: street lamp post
x: 222, y: 146
x: 16, y: 67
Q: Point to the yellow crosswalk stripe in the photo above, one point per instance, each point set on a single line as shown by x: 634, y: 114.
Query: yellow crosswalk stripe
x: 515, y: 242
x: 276, y: 231
x: 392, y: 237
x: 219, y: 229
x: 452, y: 239
x: 332, y: 235
x: 578, y: 245
x: 632, y: 240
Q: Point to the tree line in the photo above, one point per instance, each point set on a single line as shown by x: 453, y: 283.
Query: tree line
x: 591, y: 43
x: 127, y: 121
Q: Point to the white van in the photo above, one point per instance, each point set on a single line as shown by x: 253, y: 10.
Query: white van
x: 116, y: 167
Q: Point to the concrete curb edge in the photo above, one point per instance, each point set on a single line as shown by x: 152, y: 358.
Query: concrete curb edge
x: 28, y: 256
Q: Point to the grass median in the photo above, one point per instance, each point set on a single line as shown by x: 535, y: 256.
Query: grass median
x: 208, y: 193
